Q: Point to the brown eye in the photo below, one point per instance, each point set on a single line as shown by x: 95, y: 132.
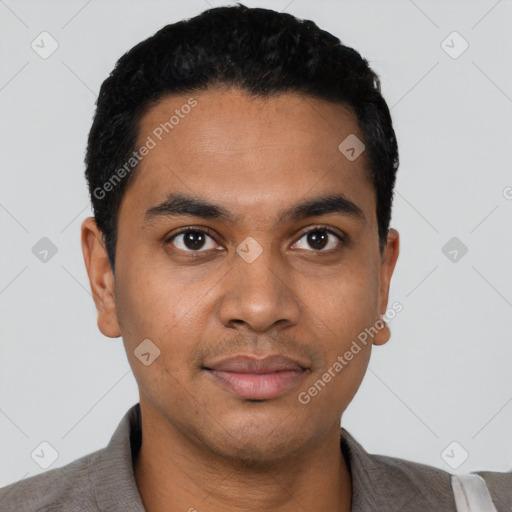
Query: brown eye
x: 193, y: 240
x: 319, y: 239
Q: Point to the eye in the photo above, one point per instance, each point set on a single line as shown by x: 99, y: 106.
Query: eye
x: 193, y: 240
x: 320, y: 239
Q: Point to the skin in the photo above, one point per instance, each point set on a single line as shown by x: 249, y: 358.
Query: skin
x: 204, y: 447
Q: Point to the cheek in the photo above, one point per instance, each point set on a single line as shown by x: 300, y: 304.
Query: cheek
x: 340, y: 312
x: 152, y: 309
x: 345, y: 305
x: 151, y: 299
x: 153, y: 306
x: 330, y: 390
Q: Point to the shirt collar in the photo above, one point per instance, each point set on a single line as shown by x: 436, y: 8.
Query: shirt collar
x: 116, y: 489
x: 113, y: 477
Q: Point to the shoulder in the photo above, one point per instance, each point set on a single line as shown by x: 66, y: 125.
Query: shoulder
x: 64, y: 489
x: 101, y: 480
x: 433, y: 482
x: 500, y: 488
x: 420, y: 484
x: 392, y: 483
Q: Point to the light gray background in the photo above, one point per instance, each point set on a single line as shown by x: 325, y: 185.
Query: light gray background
x: 446, y: 373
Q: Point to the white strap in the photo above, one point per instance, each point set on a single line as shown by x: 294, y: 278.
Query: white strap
x: 471, y: 494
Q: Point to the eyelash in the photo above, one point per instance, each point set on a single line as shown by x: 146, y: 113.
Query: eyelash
x: 209, y: 232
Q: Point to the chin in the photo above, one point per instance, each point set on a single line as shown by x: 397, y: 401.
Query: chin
x: 257, y: 445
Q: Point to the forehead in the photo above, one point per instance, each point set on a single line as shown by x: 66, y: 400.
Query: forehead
x: 247, y: 151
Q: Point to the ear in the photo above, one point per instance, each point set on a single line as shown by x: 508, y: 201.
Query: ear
x: 388, y: 261
x: 101, y: 278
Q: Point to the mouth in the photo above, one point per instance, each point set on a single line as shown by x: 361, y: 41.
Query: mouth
x: 257, y: 379
x: 258, y: 386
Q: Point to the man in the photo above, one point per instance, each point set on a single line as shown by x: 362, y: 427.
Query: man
x: 241, y: 167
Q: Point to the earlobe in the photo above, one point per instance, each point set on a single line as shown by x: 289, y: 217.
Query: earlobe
x: 384, y: 333
x: 388, y: 262
x: 101, y: 278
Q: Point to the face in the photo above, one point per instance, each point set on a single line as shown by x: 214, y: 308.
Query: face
x: 250, y: 274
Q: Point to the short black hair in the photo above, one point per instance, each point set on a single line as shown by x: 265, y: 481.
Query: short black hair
x: 261, y: 51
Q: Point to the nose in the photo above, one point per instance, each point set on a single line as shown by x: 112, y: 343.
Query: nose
x: 259, y: 294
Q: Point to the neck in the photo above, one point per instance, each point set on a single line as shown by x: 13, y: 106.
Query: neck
x: 174, y: 475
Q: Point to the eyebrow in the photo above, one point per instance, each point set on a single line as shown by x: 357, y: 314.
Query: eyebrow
x: 179, y: 204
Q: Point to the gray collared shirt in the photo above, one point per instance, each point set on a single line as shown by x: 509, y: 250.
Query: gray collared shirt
x: 104, y: 481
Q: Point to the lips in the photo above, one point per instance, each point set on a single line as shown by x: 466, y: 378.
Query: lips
x: 251, y: 364
x: 255, y: 378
